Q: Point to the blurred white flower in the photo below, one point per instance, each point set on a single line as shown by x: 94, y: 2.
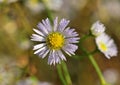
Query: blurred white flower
x: 9, y: 72
x: 25, y: 44
x: 32, y: 81
x: 34, y: 5
x: 97, y: 28
x: 1, y: 1
x: 54, y: 4
x: 106, y: 45
x: 111, y: 76
x: 113, y: 8
x: 10, y: 27
x: 77, y: 4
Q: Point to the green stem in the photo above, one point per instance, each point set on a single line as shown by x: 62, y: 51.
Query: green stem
x: 61, y: 75
x: 81, y: 40
x: 84, y: 37
x: 94, y: 63
x: 78, y: 57
x: 66, y: 73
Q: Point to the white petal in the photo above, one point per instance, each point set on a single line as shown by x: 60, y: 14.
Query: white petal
x: 42, y: 28
x: 38, y: 32
x: 55, y: 23
x: 53, y: 58
x: 47, y: 24
x: 107, y: 55
x: 39, y: 46
x: 70, y: 48
x: 62, y: 25
x: 72, y: 40
x: 69, y: 32
x: 67, y: 52
x: 61, y: 55
x: 39, y: 50
x: 50, y: 58
x: 45, y: 54
x: 36, y: 37
x: 57, y: 59
x: 112, y: 51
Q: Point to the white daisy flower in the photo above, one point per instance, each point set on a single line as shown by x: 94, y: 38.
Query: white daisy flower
x: 54, y: 40
x: 1, y: 1
x: 111, y: 76
x: 97, y: 28
x: 106, y: 45
x: 34, y: 5
x: 54, y: 5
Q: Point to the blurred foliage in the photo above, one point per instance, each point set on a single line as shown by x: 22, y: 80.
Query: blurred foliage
x: 19, y: 17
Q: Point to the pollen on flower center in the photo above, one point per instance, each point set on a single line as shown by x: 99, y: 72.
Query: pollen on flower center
x: 103, y: 46
x: 55, y: 40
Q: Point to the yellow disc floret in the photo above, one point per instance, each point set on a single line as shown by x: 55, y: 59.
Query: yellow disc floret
x: 55, y: 40
x: 103, y: 46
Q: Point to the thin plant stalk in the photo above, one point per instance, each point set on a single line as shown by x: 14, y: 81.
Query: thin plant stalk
x: 66, y: 73
x: 91, y: 58
x: 95, y: 65
x: 59, y: 70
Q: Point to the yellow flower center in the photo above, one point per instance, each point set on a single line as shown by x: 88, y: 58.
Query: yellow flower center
x: 103, y: 46
x: 55, y: 40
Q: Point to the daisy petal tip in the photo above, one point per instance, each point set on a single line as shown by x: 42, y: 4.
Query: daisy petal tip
x: 35, y: 53
x: 109, y: 58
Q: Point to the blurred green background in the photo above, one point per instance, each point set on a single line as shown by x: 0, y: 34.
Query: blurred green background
x: 19, y: 17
